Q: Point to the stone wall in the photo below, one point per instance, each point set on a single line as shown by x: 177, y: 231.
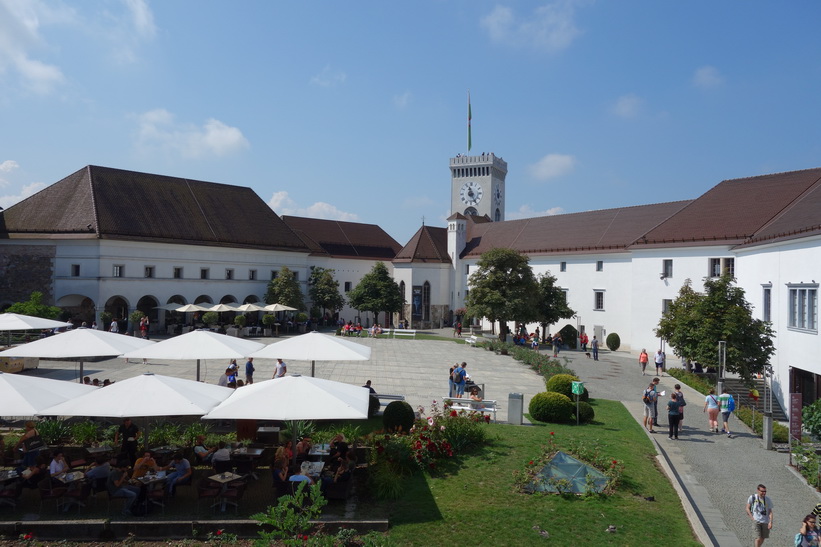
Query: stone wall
x: 24, y: 269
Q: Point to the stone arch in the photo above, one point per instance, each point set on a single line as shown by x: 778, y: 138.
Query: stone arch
x: 148, y: 305
x: 117, y: 306
x: 251, y: 299
x: 228, y: 299
x: 203, y: 299
x: 81, y: 308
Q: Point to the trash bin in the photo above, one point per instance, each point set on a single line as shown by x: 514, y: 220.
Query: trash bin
x: 515, y: 403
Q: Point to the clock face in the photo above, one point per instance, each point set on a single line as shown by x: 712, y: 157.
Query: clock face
x: 498, y: 194
x: 471, y: 193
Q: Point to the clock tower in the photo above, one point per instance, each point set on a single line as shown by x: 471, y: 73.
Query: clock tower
x: 478, y: 186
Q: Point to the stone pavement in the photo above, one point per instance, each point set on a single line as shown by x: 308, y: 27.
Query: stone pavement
x: 713, y: 474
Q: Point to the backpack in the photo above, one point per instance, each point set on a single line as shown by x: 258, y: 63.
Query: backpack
x: 456, y: 377
x: 731, y: 404
x: 646, y: 398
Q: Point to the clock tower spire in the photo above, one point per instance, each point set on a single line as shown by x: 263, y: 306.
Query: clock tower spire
x: 478, y: 185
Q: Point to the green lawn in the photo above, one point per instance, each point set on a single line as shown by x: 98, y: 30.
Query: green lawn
x: 473, y: 499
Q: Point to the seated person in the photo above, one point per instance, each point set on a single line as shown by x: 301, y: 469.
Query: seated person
x: 181, y: 475
x: 343, y: 473
x: 339, y: 448
x: 223, y: 454
x: 145, y: 464
x: 58, y: 463
x: 474, y: 394
x: 285, y: 452
x: 33, y: 474
x: 203, y: 453
x: 302, y: 448
x: 118, y: 486
x: 99, y: 469
x: 279, y: 470
x: 302, y: 476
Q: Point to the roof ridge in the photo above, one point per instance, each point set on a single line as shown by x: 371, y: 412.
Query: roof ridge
x: 432, y: 242
x: 199, y: 206
x: 772, y: 174
x: 811, y: 188
x: 94, y: 202
x: 345, y: 235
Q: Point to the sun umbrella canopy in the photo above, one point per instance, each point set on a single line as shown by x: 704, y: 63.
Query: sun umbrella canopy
x: 22, y: 395
x: 191, y: 307
x: 16, y: 321
x: 250, y: 307
x: 168, y: 307
x: 77, y: 344
x: 294, y: 398
x: 223, y: 307
x: 279, y: 307
x: 198, y: 344
x: 145, y: 395
x: 314, y: 346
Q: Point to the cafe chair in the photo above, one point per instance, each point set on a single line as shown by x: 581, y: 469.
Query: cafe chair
x: 233, y: 494
x: 11, y: 496
x: 78, y: 494
x: 112, y: 497
x: 49, y: 492
x: 209, y: 490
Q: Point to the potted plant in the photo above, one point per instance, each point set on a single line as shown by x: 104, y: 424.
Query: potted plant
x: 135, y: 317
x: 301, y: 319
x: 268, y: 320
x: 210, y: 318
x: 105, y: 319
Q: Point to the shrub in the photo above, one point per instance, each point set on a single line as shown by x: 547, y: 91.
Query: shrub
x: 240, y: 321
x: 268, y: 320
x: 84, y: 433
x: 398, y: 416
x: 613, y: 341
x: 563, y: 383
x: 586, y: 412
x: 551, y: 407
x: 53, y: 431
x: 210, y: 318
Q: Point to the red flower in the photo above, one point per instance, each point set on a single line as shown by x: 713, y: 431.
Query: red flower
x: 219, y: 532
x: 531, y: 462
x: 615, y: 462
x: 453, y: 413
x: 487, y: 418
x: 28, y: 536
x: 551, y: 433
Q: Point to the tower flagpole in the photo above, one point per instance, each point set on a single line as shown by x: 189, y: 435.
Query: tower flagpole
x: 469, y: 118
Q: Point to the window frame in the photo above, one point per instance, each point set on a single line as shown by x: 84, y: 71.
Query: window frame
x: 252, y: 275
x: 177, y: 272
x: 563, y: 266
x: 75, y: 270
x: 149, y: 272
x: 598, y: 294
x: 766, y: 303
x: 600, y: 265
x: 118, y: 270
x: 205, y: 274
x: 667, y: 268
x: 802, y: 307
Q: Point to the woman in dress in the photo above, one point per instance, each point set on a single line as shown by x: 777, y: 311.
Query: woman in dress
x: 711, y: 407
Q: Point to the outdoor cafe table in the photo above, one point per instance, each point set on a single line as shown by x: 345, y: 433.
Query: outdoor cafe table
x: 223, y: 479
x: 163, y: 453
x: 316, y: 469
x: 248, y: 454
x: 5, y: 478
x: 69, y: 478
x: 320, y: 451
x: 95, y: 451
x: 152, y: 481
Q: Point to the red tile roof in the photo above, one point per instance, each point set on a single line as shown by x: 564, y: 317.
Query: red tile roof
x: 344, y: 239
x: 428, y: 244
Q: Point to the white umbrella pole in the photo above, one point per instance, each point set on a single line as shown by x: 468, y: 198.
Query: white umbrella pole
x: 312, y: 369
x: 198, y: 370
x: 81, y: 372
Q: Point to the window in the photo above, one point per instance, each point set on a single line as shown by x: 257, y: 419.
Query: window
x: 665, y: 305
x: 177, y: 272
x: 75, y: 270
x: 563, y: 267
x: 467, y: 269
x: 766, y: 306
x: 598, y: 300
x: 296, y: 275
x: 347, y: 286
x: 720, y: 266
x: 149, y: 271
x: 229, y: 273
x: 274, y: 274
x: 119, y: 270
x: 599, y: 265
x: 667, y: 268
x: 204, y: 273
x: 252, y: 275
x: 803, y: 308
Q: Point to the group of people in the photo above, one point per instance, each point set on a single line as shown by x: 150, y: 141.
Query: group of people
x: 713, y: 405
x: 659, y: 360
x: 230, y: 378
x: 759, y: 510
x: 338, y: 468
x: 96, y: 382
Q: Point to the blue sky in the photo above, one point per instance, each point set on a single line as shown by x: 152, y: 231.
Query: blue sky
x: 350, y: 110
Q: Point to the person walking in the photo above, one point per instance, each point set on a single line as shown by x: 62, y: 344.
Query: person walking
x: 649, y: 399
x: 249, y: 371
x: 760, y: 511
x: 282, y: 368
x: 460, y: 379
x: 659, y: 359
x: 711, y: 407
x: 643, y: 360
x: 557, y: 345
x: 594, y: 345
x: 727, y: 405
x: 682, y: 404
x: 809, y: 535
x: 583, y: 340
x: 656, y: 403
x: 451, y: 383
x: 673, y: 416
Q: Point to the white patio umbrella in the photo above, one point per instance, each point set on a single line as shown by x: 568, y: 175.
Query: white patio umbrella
x: 198, y: 344
x: 188, y: 308
x: 79, y: 344
x: 168, y: 307
x: 145, y: 395
x: 22, y: 395
x: 293, y: 398
x: 278, y: 307
x: 313, y: 347
x: 16, y: 321
x: 250, y: 307
x: 223, y: 307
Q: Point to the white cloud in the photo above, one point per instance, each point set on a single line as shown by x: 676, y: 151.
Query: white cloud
x: 158, y: 130
x: 142, y: 18
x: 550, y: 28
x: 402, y: 101
x: 27, y: 190
x: 329, y: 77
x: 628, y: 106
x: 707, y: 77
x: 552, y: 166
x: 526, y: 211
x: 7, y: 167
x: 20, y: 37
x: 282, y: 204
x: 127, y: 30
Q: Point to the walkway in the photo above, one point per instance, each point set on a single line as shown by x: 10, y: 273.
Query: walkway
x: 717, y: 474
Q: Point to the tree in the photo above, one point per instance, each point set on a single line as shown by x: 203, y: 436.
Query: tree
x: 696, y: 322
x: 377, y: 292
x: 284, y: 289
x: 551, y: 302
x: 35, y: 307
x: 503, y: 288
x: 324, y: 290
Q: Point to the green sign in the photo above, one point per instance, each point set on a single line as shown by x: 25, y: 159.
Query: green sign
x: 577, y: 388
